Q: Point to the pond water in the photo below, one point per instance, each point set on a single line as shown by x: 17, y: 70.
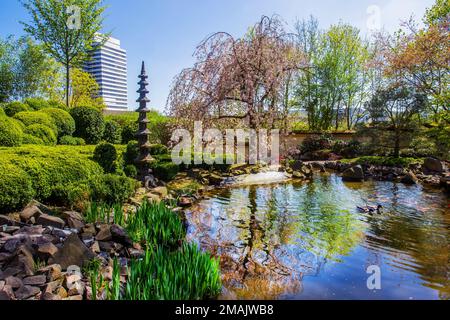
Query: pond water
x: 308, y: 241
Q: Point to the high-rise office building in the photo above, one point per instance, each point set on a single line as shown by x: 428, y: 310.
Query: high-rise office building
x: 108, y: 65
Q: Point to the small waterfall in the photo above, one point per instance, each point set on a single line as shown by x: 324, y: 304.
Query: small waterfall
x: 260, y: 178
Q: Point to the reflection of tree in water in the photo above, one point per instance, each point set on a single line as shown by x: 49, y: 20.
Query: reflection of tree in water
x: 420, y: 240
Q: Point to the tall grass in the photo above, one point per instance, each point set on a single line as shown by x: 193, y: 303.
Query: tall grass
x: 104, y: 213
x: 184, y: 274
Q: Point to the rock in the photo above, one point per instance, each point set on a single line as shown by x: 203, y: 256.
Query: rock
x: 6, y: 293
x: 5, y: 257
x: 73, y: 252
x: 51, y: 287
x: 306, y: 171
x: 61, y: 292
x: 52, y: 221
x: 4, y: 220
x: 120, y: 235
x: 24, y: 261
x: 318, y: 166
x: 185, y: 201
x: 89, y: 229
x: 60, y: 233
x: 52, y: 272
x: 433, y: 164
x: 298, y: 175
x: 8, y: 272
x: 409, y: 178
x: 2, y: 284
x: 160, y: 191
x: 74, y: 298
x: 296, y: 165
x: 30, y: 212
x: 215, y: 179
x: 74, y: 219
x: 355, y: 173
x: 76, y: 288
x: 14, y: 282
x: 135, y: 253
x: 95, y: 247
x: 13, y: 243
x: 26, y: 292
x: 47, y: 250
x: 35, y: 280
x: 104, y: 234
x: 106, y: 246
x: 48, y: 296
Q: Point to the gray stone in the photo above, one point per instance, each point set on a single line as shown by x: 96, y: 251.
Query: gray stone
x: 30, y: 212
x: 51, y: 221
x: 47, y: 250
x: 120, y: 235
x: 52, y: 272
x: 160, y: 191
x: 104, y: 234
x: 4, y: 220
x: 14, y: 282
x: 48, y: 296
x: 355, y: 173
x: 73, y: 252
x: 433, y: 164
x: 6, y: 293
x: 35, y: 280
x: 26, y: 292
x: 74, y: 220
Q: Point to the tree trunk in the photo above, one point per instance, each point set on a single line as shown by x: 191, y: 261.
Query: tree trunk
x: 397, y: 145
x: 67, y: 84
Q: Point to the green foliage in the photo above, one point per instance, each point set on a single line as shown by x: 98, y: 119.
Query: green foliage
x: 316, y: 143
x: 15, y: 107
x: 10, y: 132
x: 29, y: 118
x: 113, y: 132
x: 105, y: 154
x: 165, y: 171
x: 155, y: 224
x: 131, y: 153
x: 111, y: 189
x: 63, y: 121
x: 158, y: 149
x: 30, y: 139
x: 42, y: 132
x: 199, y: 278
x: 105, y: 213
x: 51, y: 170
x: 129, y: 130
x: 346, y: 149
x: 386, y: 161
x: 37, y: 104
x: 89, y: 124
x: 130, y: 171
x: 15, y: 188
x: 2, y: 111
x: 71, y: 141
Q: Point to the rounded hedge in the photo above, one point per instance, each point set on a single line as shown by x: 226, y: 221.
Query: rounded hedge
x: 36, y: 117
x: 15, y: 188
x: 130, y: 171
x: 89, y: 124
x: 129, y: 129
x: 10, y: 132
x: 29, y: 139
x: 105, y: 154
x: 113, y: 132
x: 15, y: 107
x: 42, y: 132
x: 2, y: 112
x: 112, y: 189
x: 71, y: 141
x: 63, y: 121
x: 131, y: 153
x: 37, y: 103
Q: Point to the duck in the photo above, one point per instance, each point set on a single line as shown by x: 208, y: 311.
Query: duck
x: 370, y: 209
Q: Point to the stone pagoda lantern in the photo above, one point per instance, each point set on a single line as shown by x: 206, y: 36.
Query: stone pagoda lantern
x: 144, y: 159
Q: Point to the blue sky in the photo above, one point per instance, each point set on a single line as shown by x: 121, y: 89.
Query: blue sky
x: 165, y: 33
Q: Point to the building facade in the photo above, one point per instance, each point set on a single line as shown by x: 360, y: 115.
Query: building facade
x: 108, y: 65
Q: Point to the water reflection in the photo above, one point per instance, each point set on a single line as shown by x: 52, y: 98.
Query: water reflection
x: 289, y: 240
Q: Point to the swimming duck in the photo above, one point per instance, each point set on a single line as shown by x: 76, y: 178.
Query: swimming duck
x: 370, y: 209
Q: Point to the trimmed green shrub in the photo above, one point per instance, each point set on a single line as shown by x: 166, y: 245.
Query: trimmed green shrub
x: 165, y: 171
x: 130, y: 171
x: 113, y: 132
x: 158, y: 149
x: 63, y: 120
x: 42, y: 132
x: 386, y: 161
x: 71, y: 141
x: 316, y: 143
x: 89, y: 124
x: 36, y: 117
x: 29, y: 139
x: 15, y: 188
x: 129, y: 129
x: 37, y: 103
x: 2, y: 112
x: 131, y: 153
x: 111, y: 189
x: 52, y: 169
x: 10, y: 132
x: 15, y: 107
x: 105, y: 154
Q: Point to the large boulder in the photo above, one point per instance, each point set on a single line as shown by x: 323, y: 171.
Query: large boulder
x: 355, y: 173
x: 433, y: 164
x: 73, y: 253
x: 29, y: 213
x: 50, y: 221
x: 409, y: 178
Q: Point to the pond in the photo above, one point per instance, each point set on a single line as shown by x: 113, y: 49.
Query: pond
x: 307, y: 240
